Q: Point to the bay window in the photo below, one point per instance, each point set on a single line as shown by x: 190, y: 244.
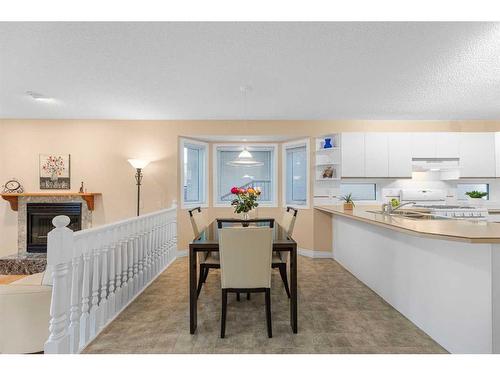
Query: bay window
x: 194, y: 173
x: 296, y: 173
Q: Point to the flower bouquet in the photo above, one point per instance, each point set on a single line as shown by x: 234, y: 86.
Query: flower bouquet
x: 246, y: 200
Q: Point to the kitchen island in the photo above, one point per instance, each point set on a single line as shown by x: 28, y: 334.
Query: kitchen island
x: 443, y: 275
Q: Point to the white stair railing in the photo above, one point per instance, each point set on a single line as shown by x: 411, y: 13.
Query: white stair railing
x: 97, y: 272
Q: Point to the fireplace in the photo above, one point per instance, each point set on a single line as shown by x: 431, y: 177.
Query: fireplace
x: 39, y: 222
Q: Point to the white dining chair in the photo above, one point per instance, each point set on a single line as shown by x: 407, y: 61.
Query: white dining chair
x: 280, y: 258
x: 245, y: 259
x: 206, y: 259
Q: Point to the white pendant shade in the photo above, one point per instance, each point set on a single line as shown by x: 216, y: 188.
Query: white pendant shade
x: 138, y: 163
x: 245, y: 159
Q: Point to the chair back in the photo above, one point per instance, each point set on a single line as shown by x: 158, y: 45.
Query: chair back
x: 288, y: 221
x: 245, y: 257
x: 196, y: 221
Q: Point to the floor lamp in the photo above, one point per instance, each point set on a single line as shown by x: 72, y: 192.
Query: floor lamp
x: 139, y: 165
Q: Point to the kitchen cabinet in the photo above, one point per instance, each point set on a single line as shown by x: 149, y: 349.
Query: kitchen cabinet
x: 477, y: 155
x: 423, y: 145
x: 497, y: 153
x: 353, y: 154
x: 447, y: 144
x: 399, y: 155
x: 376, y: 155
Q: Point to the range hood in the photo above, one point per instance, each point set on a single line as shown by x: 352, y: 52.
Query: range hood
x: 438, y: 168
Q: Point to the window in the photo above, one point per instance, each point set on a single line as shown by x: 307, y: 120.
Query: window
x: 194, y: 174
x: 296, y: 173
x: 360, y: 192
x: 464, y: 188
x: 261, y: 176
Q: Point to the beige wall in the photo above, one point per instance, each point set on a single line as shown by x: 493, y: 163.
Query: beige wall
x: 100, y: 149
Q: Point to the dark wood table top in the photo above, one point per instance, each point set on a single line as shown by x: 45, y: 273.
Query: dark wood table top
x: 209, y: 237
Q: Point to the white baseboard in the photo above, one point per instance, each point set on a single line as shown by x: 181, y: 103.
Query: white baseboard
x: 181, y: 253
x: 315, y: 254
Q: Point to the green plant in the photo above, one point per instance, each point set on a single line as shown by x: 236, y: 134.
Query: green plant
x: 347, y: 199
x: 476, y: 194
x: 394, y: 202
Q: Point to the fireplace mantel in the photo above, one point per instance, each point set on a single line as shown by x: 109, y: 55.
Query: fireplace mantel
x: 13, y: 198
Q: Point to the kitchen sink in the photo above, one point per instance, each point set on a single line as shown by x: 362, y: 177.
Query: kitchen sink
x: 407, y: 214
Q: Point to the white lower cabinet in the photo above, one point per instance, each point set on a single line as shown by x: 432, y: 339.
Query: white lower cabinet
x: 477, y: 155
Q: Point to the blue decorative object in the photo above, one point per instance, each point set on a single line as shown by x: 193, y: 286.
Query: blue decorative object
x: 328, y: 143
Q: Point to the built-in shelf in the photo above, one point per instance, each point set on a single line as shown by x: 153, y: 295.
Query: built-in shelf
x: 325, y: 164
x: 13, y: 198
x: 328, y: 179
x: 327, y: 150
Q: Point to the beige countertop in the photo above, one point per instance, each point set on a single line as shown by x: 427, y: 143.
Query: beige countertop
x: 455, y: 230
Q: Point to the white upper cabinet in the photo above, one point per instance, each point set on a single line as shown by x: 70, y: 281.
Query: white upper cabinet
x: 353, y: 154
x: 399, y: 145
x: 376, y: 155
x: 447, y: 144
x: 423, y: 145
x: 497, y: 152
x: 477, y: 155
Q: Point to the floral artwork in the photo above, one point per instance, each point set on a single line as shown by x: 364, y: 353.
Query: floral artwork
x: 55, y: 172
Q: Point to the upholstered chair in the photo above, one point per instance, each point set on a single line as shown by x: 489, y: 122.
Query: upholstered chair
x: 245, y: 259
x: 25, y: 314
x: 280, y: 258
x: 206, y: 259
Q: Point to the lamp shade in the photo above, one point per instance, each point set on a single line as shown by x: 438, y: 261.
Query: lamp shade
x: 138, y: 163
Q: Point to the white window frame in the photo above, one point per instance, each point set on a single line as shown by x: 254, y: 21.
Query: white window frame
x: 239, y: 147
x: 294, y: 144
x: 204, y: 202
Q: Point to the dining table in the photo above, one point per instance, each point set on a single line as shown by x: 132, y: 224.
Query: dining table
x: 208, y: 240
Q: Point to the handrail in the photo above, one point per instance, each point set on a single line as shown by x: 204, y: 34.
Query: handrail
x: 97, y: 272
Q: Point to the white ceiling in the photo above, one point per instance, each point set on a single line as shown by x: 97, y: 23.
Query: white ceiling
x: 296, y: 70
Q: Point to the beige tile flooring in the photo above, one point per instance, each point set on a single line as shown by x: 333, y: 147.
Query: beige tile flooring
x: 337, y: 314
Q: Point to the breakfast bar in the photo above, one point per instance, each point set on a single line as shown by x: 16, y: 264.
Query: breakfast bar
x: 443, y: 275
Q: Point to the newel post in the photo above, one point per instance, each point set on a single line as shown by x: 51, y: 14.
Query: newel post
x: 59, y: 255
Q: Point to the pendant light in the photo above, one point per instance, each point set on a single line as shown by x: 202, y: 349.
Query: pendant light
x: 245, y: 158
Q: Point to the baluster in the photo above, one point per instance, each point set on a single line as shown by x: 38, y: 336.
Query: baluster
x: 112, y: 275
x: 84, y: 320
x: 124, y: 249
x: 136, y: 256
x: 59, y: 254
x: 94, y: 306
x: 103, y: 300
x: 149, y: 249
x: 170, y: 241
x: 118, y: 270
x: 164, y: 236
x: 76, y: 299
x: 140, y: 243
x: 157, y: 246
x: 130, y: 261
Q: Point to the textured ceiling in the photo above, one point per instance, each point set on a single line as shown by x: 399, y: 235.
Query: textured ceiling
x: 295, y: 70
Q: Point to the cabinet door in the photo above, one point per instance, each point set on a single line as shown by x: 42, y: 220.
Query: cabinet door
x: 477, y: 155
x: 447, y: 144
x: 497, y: 152
x: 399, y: 145
x: 423, y: 145
x: 353, y: 154
x: 376, y: 155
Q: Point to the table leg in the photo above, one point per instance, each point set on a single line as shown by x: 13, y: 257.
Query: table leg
x: 293, y: 289
x: 193, y: 305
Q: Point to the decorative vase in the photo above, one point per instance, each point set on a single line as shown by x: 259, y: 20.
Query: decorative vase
x: 53, y: 177
x: 245, y: 216
x: 328, y: 143
x: 348, y: 206
x: 476, y: 202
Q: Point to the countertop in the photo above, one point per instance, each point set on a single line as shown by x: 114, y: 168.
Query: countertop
x: 455, y: 230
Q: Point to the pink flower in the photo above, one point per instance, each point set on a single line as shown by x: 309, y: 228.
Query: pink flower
x: 235, y: 190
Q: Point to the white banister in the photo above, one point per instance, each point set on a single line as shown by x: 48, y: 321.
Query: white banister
x: 97, y: 272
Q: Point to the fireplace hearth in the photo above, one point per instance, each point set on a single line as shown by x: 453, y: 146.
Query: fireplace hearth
x: 39, y: 222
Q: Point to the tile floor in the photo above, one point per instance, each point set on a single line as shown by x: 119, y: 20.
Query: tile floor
x: 337, y: 314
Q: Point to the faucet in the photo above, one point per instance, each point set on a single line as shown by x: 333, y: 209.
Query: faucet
x: 387, y: 207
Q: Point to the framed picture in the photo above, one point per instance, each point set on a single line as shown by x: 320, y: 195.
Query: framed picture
x: 55, y: 171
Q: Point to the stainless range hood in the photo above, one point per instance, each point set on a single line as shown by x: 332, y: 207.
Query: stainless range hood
x: 437, y: 168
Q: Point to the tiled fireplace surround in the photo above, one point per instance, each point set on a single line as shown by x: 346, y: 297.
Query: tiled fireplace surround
x: 29, y: 263
x: 22, y: 216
